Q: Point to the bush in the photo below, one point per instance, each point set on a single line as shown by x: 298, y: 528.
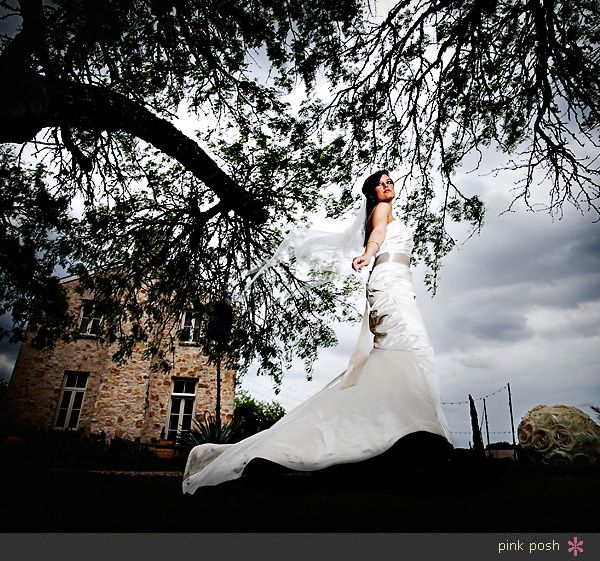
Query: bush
x: 249, y: 417
x: 76, y: 450
x: 254, y: 416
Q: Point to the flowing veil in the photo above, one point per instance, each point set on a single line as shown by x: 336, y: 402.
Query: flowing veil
x: 336, y: 244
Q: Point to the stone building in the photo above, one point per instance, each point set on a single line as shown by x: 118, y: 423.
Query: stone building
x: 78, y: 386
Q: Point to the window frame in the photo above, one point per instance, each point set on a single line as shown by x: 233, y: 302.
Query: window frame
x: 91, y: 319
x: 180, y: 413
x: 193, y: 340
x: 74, y: 390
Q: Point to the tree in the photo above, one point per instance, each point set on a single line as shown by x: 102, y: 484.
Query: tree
x: 32, y: 243
x: 253, y: 416
x: 477, y: 438
x: 170, y: 222
x: 90, y: 70
x: 94, y: 88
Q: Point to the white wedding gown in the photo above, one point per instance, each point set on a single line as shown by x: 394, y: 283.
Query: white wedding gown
x: 389, y: 390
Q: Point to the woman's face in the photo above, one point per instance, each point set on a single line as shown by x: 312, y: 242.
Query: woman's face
x: 384, y: 192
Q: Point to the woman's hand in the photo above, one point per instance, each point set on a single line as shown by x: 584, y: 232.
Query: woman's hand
x: 361, y: 261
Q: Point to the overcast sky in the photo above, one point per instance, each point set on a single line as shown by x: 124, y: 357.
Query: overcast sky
x: 520, y: 303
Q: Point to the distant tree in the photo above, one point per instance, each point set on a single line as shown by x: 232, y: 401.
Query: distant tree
x: 477, y: 438
x: 252, y: 416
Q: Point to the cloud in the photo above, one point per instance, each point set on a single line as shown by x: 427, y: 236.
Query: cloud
x: 582, y: 321
x: 503, y: 326
x: 470, y: 360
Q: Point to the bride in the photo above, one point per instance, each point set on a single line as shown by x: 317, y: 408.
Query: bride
x: 389, y: 390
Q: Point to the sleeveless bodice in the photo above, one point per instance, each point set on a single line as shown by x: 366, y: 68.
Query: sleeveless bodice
x: 398, y: 237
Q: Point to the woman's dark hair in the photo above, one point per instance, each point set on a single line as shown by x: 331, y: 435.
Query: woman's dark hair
x: 368, y: 190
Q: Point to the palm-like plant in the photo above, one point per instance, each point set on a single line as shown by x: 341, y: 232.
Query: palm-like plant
x: 208, y: 430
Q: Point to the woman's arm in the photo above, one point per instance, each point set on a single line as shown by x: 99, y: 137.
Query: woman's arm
x: 379, y: 220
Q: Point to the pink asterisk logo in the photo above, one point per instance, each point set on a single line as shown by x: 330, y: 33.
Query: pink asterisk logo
x: 576, y: 546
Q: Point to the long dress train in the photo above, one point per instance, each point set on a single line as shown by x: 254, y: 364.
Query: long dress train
x: 389, y: 390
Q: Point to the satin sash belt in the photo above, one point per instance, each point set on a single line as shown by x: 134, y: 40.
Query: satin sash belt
x: 394, y: 256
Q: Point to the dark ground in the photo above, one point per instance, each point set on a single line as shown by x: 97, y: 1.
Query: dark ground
x: 383, y: 494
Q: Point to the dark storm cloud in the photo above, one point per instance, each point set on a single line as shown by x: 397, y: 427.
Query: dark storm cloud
x: 519, y: 303
x: 569, y: 293
x: 501, y: 326
x: 583, y: 321
x: 521, y: 249
x: 520, y: 263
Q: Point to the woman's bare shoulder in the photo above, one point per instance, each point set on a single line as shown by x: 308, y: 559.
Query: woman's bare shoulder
x: 380, y: 214
x: 381, y: 211
x: 384, y: 206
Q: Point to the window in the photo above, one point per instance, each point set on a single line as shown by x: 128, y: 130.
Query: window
x: 89, y: 321
x: 183, y: 395
x: 190, y: 327
x: 71, y: 400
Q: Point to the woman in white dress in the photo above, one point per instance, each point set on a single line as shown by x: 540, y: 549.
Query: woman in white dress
x: 389, y: 390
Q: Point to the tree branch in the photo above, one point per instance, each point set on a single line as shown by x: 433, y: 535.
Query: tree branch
x: 33, y: 102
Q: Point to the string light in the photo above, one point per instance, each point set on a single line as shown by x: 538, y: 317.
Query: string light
x: 491, y: 432
x: 475, y: 398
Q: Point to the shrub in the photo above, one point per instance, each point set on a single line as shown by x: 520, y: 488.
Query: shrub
x: 254, y: 416
x: 76, y: 450
x: 208, y: 430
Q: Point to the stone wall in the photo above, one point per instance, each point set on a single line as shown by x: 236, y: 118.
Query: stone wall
x: 129, y: 401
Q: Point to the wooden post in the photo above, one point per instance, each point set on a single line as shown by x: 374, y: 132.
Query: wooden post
x: 512, y: 423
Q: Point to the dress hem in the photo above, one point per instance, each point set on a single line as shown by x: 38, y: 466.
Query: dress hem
x: 422, y: 427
